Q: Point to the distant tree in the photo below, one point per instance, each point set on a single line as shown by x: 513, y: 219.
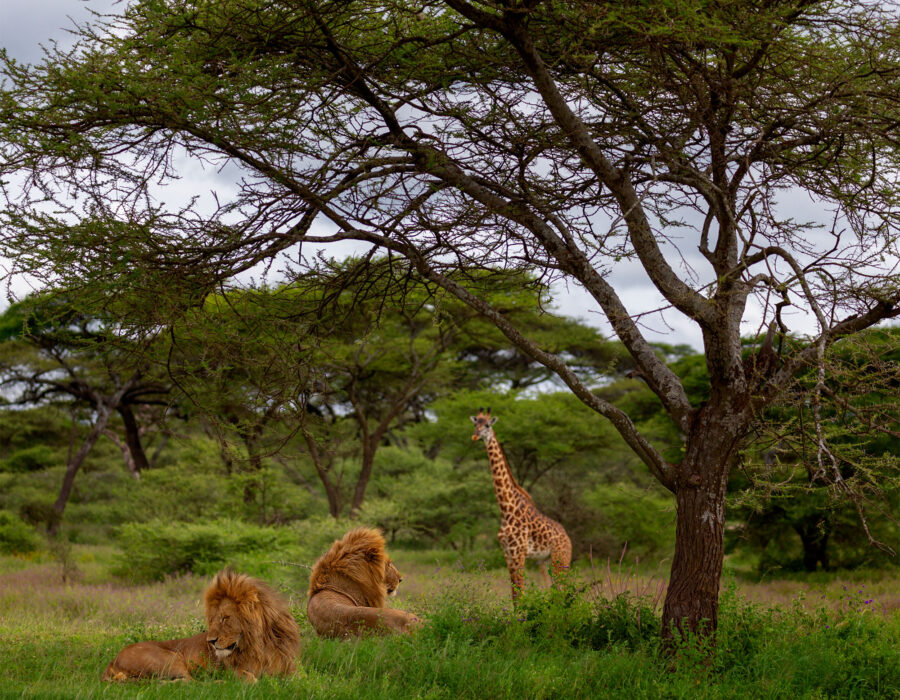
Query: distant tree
x: 52, y: 353
x: 563, y: 137
x: 340, y: 361
x: 826, y: 456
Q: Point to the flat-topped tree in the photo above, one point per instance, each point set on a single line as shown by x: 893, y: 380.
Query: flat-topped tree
x: 562, y: 137
x: 52, y: 352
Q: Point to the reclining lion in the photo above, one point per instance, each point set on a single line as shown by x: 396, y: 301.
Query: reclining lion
x: 250, y: 630
x: 349, y: 585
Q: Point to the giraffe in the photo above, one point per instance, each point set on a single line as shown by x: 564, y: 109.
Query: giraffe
x: 525, y: 532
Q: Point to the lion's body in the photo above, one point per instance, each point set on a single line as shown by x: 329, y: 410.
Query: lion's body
x: 173, y: 659
x: 250, y: 630
x: 349, y: 586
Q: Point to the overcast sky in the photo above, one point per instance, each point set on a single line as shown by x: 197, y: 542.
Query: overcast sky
x: 25, y: 25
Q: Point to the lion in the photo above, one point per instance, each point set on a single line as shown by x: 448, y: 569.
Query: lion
x: 349, y: 586
x: 250, y: 630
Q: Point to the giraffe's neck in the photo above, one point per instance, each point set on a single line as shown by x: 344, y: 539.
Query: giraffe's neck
x: 505, y: 486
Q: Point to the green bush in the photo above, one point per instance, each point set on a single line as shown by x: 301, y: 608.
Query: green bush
x: 644, y: 519
x: 15, y: 536
x: 315, y: 535
x: 434, y: 500
x: 266, y: 496
x: 156, y: 549
x: 30, y: 459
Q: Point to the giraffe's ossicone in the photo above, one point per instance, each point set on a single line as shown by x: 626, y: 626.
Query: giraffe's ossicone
x: 525, y: 532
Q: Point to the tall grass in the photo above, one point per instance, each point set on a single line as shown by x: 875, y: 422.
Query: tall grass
x: 584, y: 639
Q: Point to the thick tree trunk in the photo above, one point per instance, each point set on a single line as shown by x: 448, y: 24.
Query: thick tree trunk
x: 814, y: 532
x: 133, y: 439
x: 692, y: 599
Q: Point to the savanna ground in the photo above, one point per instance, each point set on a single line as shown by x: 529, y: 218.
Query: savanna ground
x: 819, y: 636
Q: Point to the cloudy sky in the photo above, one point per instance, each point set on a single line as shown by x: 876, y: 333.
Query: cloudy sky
x: 27, y: 24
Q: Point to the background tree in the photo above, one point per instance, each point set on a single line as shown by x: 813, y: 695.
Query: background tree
x: 52, y: 353
x: 803, y: 504
x: 563, y: 137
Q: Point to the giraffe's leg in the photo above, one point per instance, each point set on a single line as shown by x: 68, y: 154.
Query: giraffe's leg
x: 514, y: 550
x: 543, y: 567
x: 561, y: 554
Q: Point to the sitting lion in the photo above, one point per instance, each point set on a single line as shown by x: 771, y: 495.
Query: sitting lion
x: 349, y: 585
x: 250, y: 630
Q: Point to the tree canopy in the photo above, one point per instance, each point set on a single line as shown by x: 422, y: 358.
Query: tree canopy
x: 563, y: 137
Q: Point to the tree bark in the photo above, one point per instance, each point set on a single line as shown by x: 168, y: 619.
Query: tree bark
x: 323, y: 467
x: 103, y: 414
x: 133, y: 439
x: 814, y: 532
x: 127, y: 457
x: 370, y: 446
x: 692, y: 599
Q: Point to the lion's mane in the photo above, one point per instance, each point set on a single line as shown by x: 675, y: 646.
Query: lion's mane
x: 270, y: 638
x: 348, y: 588
x: 250, y: 630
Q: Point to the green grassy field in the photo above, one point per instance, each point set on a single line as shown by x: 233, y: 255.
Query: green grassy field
x: 827, y: 637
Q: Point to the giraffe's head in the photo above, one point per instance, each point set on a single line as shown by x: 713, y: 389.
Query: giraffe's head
x: 483, y: 422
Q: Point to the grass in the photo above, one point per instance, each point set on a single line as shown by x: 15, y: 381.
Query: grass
x: 593, y: 638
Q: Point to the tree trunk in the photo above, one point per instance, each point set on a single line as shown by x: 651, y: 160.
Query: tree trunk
x: 814, y: 532
x: 103, y: 414
x: 692, y: 599
x: 365, y: 473
x: 163, y: 440
x: 127, y: 457
x: 133, y: 439
x: 323, y: 465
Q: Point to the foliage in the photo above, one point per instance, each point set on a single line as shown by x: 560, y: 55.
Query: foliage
x: 30, y: 459
x: 15, y: 536
x: 620, y: 515
x: 156, y: 549
x: 559, y: 139
x: 437, y: 501
x: 540, y: 434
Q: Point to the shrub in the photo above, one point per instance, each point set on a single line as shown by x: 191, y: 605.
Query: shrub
x: 267, y: 496
x: 624, y: 513
x: 15, y: 536
x: 153, y: 550
x: 30, y: 459
x: 563, y: 612
x: 316, y: 534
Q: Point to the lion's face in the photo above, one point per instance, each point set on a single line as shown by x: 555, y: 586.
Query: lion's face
x: 392, y: 578
x: 225, y: 629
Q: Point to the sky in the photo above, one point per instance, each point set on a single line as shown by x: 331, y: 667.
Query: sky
x: 27, y: 24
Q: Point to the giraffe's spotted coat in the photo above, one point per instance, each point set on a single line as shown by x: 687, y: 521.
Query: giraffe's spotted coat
x: 525, y: 532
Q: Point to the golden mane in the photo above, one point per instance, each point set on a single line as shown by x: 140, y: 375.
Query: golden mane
x: 349, y: 586
x: 270, y: 636
x: 355, y: 564
x: 250, y: 629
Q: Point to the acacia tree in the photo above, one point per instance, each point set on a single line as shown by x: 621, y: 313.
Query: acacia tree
x: 563, y: 136
x: 51, y: 352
